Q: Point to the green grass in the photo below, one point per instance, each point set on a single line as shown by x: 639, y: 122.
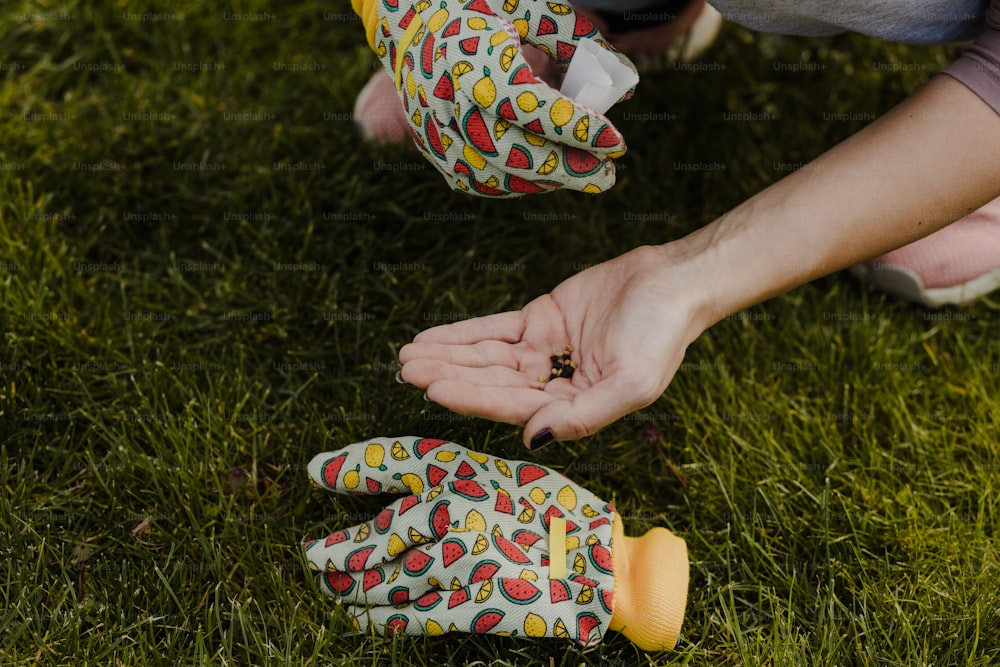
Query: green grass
x: 830, y: 456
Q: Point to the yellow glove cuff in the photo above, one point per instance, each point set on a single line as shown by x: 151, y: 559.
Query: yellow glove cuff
x: 368, y: 11
x: 651, y: 583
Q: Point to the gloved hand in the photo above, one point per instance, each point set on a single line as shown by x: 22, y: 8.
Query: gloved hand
x: 480, y: 544
x: 476, y: 111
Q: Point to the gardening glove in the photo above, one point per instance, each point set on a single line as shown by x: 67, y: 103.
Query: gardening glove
x: 475, y: 109
x: 480, y: 544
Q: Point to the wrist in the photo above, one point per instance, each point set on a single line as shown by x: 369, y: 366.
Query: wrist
x: 686, y: 263
x: 730, y: 265
x: 651, y: 583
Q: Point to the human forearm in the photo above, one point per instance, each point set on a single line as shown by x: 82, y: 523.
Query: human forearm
x: 928, y: 162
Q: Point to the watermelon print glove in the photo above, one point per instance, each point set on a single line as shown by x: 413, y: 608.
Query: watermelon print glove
x: 480, y: 544
x: 477, y: 112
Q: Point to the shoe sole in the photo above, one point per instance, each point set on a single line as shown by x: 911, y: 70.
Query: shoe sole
x: 702, y: 34
x: 906, y: 284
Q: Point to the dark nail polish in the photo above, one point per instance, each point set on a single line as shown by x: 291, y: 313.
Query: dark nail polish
x: 399, y: 378
x: 542, y: 438
x: 427, y: 399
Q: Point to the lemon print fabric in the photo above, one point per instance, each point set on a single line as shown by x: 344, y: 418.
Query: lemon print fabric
x: 465, y: 545
x: 476, y: 110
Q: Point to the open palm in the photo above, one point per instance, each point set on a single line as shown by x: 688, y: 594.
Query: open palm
x: 629, y: 326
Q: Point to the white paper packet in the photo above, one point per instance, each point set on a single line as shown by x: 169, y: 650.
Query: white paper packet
x: 596, y: 78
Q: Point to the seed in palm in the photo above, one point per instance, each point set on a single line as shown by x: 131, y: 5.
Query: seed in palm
x: 563, y: 365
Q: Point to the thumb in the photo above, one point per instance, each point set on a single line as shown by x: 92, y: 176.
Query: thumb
x: 590, y: 410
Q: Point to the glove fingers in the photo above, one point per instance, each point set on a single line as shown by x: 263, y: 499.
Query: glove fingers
x: 508, y: 132
x: 511, y: 606
x: 434, y: 613
x: 526, y: 101
x: 475, y: 608
x: 476, y: 174
x: 461, y: 559
x: 382, y: 465
x: 415, y: 465
x: 509, y: 117
x: 407, y: 522
x: 520, y: 161
x: 552, y: 27
x: 454, y: 153
x: 496, y: 492
x: 556, y: 29
x: 492, y: 491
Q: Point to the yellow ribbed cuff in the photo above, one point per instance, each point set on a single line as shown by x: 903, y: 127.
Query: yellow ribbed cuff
x: 368, y: 11
x: 651, y: 586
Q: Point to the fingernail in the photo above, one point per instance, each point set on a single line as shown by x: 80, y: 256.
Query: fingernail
x: 427, y: 399
x: 399, y: 378
x: 542, y: 438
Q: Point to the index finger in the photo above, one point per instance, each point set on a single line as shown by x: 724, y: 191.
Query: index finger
x: 507, y: 327
x: 510, y: 405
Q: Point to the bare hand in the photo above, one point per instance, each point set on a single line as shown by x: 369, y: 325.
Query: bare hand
x: 629, y: 321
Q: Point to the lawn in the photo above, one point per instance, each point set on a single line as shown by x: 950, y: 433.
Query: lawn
x: 206, y: 277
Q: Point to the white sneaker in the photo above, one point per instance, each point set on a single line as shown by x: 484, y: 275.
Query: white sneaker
x: 954, y: 265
